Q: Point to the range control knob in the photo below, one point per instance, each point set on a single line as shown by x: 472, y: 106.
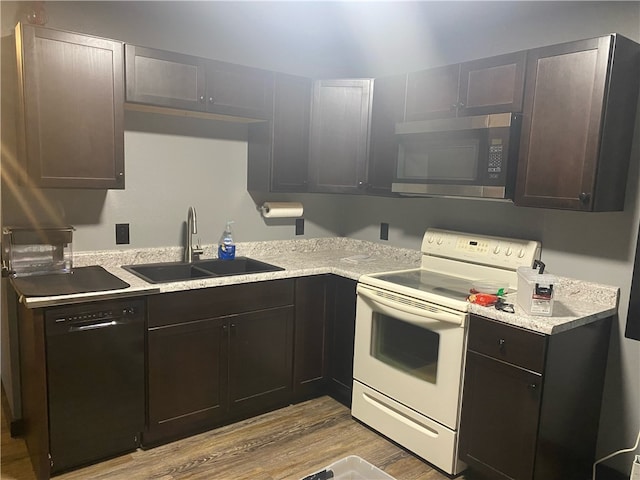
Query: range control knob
x: 496, y: 250
x: 521, y: 253
x: 430, y: 239
x: 440, y: 240
x: 508, y: 251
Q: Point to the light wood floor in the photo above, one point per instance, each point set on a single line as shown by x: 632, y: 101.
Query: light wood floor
x: 286, y: 444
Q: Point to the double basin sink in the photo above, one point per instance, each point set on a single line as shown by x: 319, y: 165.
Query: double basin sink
x: 199, y: 269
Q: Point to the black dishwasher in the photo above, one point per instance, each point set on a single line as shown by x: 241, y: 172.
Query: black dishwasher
x: 95, y: 381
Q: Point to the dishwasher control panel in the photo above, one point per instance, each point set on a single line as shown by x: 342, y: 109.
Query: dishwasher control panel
x: 97, y: 314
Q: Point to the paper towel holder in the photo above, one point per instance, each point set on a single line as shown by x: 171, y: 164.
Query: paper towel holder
x: 281, y: 209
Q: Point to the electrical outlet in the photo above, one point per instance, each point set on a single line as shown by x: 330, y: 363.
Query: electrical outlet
x: 384, y: 231
x: 122, y: 233
x: 299, y: 226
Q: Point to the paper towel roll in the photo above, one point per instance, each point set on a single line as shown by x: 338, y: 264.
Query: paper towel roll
x: 282, y: 209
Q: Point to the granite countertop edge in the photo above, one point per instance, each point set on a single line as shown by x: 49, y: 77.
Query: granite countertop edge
x: 576, y: 302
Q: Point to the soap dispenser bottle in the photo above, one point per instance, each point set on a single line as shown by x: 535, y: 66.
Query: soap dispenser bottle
x: 226, y: 245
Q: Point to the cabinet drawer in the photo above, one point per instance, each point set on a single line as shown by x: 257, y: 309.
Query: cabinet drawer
x: 507, y: 343
x: 186, y: 306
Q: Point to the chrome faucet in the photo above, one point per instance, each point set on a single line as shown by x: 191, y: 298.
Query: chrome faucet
x: 191, y: 253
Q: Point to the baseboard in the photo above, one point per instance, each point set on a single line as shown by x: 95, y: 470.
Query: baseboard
x: 607, y: 473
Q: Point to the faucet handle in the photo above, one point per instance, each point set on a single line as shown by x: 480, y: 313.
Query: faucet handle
x: 197, y: 250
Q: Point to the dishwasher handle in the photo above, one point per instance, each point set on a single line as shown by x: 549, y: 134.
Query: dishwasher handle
x: 93, y: 326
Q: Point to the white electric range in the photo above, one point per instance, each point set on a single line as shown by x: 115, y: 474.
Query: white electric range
x: 410, y: 339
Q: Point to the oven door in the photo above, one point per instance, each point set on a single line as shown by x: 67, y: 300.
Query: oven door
x: 412, y: 351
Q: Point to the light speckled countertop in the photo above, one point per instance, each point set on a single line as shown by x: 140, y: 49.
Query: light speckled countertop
x: 575, y: 303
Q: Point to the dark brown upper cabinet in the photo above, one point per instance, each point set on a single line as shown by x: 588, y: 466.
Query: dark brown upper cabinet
x: 71, y: 109
x: 278, y: 151
x: 386, y: 111
x: 339, y: 140
x: 488, y: 85
x: 167, y: 79
x: 345, y: 111
x: 578, y: 116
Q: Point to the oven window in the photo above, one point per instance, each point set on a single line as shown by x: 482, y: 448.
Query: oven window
x: 405, y: 346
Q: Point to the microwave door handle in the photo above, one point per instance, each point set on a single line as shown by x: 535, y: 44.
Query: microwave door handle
x: 478, y: 122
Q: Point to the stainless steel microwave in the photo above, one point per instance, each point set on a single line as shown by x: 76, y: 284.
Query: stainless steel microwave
x: 464, y: 156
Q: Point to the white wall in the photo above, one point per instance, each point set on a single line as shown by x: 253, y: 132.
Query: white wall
x: 171, y: 165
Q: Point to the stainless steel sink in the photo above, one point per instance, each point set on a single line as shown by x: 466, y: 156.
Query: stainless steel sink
x: 181, y: 271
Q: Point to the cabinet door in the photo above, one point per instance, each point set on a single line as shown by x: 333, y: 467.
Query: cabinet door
x: 568, y: 128
x: 166, y: 79
x: 562, y: 115
x: 72, y: 108
x: 387, y: 110
x: 432, y: 93
x: 338, y: 149
x: 499, y: 422
x: 310, y: 347
x: 238, y: 90
x: 492, y: 85
x: 278, y: 151
x: 187, y: 374
x: 342, y: 327
x: 290, y: 167
x: 260, y: 360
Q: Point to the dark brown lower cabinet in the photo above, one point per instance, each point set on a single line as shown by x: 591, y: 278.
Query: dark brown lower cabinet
x: 503, y: 405
x: 325, y: 330
x: 217, y: 355
x: 341, y: 330
x: 221, y: 354
x: 187, y: 378
x: 311, y: 347
x: 531, y: 402
x: 260, y: 360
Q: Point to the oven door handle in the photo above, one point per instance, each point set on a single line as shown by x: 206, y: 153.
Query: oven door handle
x: 419, y: 316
